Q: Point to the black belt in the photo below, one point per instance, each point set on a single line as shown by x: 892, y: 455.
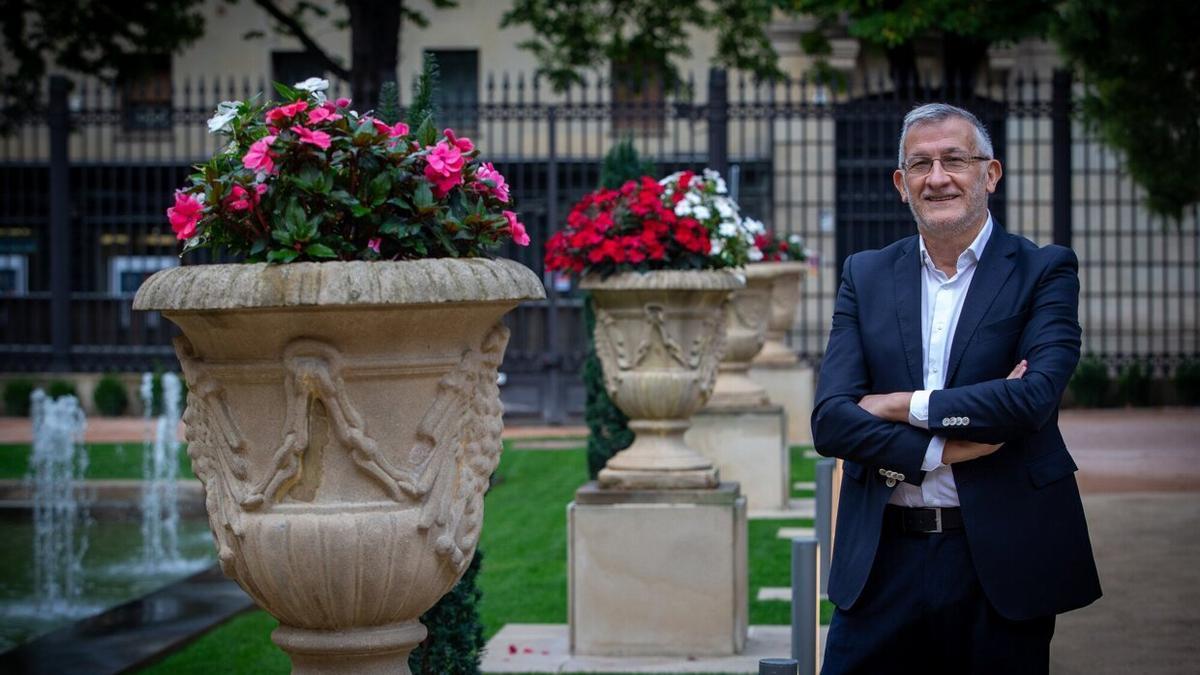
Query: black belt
x: 922, y: 520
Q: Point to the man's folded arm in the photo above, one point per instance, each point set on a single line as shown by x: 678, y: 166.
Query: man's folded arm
x: 996, y: 411
x: 840, y: 427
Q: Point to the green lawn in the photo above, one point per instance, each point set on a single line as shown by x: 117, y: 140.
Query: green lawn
x: 524, y: 575
x: 105, y: 461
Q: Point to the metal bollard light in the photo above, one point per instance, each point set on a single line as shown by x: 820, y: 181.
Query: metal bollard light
x: 777, y: 667
x: 824, y: 517
x: 806, y: 609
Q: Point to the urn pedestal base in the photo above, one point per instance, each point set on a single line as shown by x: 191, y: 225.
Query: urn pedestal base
x: 657, y: 572
x: 379, y: 650
x: 791, y: 386
x: 748, y: 447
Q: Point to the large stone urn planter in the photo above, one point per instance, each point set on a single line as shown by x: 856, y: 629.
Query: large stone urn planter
x: 745, y: 333
x: 344, y: 419
x: 660, y: 336
x: 786, y: 278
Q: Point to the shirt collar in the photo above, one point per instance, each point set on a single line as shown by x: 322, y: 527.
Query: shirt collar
x: 970, y: 256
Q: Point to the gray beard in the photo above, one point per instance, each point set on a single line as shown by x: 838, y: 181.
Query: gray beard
x: 944, y: 229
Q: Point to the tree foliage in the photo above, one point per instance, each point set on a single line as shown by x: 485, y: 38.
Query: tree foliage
x: 455, y: 641
x: 572, y: 36
x: 94, y: 37
x: 1141, y: 65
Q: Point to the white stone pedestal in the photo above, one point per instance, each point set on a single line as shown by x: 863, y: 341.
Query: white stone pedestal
x: 747, y: 445
x: 657, y: 572
x: 791, y: 386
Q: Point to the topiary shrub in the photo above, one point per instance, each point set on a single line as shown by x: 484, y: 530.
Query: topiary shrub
x: 1133, y: 384
x: 1187, y: 381
x: 16, y: 397
x: 60, y: 388
x: 1089, y: 384
x: 455, y: 641
x: 110, y: 397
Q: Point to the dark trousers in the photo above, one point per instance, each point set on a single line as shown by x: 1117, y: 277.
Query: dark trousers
x: 924, y: 612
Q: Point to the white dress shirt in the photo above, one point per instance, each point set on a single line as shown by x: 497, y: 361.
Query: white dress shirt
x: 941, y: 303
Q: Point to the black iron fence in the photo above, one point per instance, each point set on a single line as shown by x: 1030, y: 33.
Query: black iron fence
x: 85, y: 182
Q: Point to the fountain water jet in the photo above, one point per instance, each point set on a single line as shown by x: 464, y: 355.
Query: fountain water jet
x: 160, y: 474
x: 60, y: 519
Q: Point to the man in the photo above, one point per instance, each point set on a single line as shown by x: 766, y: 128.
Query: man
x: 960, y: 532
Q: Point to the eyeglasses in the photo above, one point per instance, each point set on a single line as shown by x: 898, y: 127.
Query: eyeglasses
x: 921, y: 166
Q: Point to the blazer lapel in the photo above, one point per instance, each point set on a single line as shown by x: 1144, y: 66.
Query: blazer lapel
x: 907, y: 286
x: 993, y: 270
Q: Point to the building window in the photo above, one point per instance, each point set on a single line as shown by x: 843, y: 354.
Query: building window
x: 126, y: 273
x: 292, y: 67
x: 145, y: 82
x: 638, y: 103
x: 14, y: 275
x: 457, y: 95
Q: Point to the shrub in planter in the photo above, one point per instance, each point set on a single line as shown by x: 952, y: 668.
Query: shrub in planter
x: 1187, y: 382
x: 110, y: 397
x: 1089, y: 384
x: 455, y: 642
x: 60, y: 388
x: 16, y: 397
x: 1133, y: 384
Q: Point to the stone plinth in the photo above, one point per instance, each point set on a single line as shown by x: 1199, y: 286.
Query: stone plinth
x: 791, y: 386
x: 657, y: 572
x: 747, y: 445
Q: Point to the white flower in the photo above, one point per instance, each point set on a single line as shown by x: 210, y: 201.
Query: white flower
x: 702, y: 213
x: 693, y: 198
x: 683, y: 209
x: 313, y: 84
x: 753, y: 226
x: 727, y: 228
x: 723, y: 208
x: 754, y: 254
x: 670, y: 179
x: 227, y: 111
x: 718, y: 245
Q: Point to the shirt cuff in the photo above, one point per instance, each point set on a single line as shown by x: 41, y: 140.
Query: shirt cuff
x: 933, y: 453
x: 918, y: 409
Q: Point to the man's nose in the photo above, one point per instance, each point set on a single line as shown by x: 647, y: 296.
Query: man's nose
x: 937, y: 175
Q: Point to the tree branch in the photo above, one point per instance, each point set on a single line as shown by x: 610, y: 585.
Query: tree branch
x: 297, y: 30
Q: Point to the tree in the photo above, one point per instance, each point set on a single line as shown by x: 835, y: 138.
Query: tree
x: 964, y: 30
x: 1141, y: 65
x: 571, y: 36
x: 94, y: 37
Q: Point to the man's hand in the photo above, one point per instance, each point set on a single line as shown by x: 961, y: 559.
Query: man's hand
x: 963, y: 451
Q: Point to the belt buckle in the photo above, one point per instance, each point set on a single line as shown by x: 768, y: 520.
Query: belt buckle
x: 937, y: 521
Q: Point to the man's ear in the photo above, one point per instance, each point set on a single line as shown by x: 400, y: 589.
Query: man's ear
x: 994, y: 172
x: 898, y: 181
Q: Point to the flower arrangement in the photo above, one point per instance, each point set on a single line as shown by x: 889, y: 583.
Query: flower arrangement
x: 684, y: 221
x: 704, y: 197
x: 629, y: 229
x: 779, y: 249
x: 311, y: 179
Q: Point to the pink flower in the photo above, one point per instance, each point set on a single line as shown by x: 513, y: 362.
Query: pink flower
x: 185, y: 215
x: 259, y: 156
x: 374, y: 243
x: 463, y: 144
x: 342, y: 102
x: 489, y: 172
x: 519, y: 235
x: 397, y: 129
x: 317, y: 138
x: 323, y: 113
x: 240, y: 199
x: 444, y: 167
x: 280, y: 116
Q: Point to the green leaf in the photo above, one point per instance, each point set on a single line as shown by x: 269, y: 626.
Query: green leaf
x: 423, y: 196
x: 399, y: 227
x: 445, y: 240
x: 293, y: 216
x: 282, y: 236
x: 359, y: 211
x: 319, y: 251
x: 282, y: 255
x: 286, y: 92
x: 378, y: 188
x: 427, y: 134
x: 258, y: 246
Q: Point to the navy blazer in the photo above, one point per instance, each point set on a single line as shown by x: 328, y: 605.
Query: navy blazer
x: 1023, y: 517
